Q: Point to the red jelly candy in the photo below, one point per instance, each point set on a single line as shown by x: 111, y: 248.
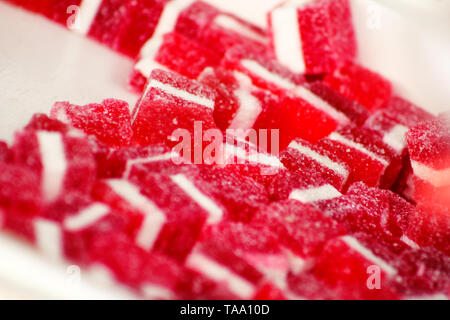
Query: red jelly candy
x: 353, y: 268
x: 316, y: 161
x: 109, y: 121
x: 429, y: 150
x: 62, y: 162
x: 172, y: 102
x: 370, y: 159
x: 312, y: 36
x: 301, y: 228
x: 361, y: 85
x: 239, y: 256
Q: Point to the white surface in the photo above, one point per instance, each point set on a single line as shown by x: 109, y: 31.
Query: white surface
x: 41, y: 62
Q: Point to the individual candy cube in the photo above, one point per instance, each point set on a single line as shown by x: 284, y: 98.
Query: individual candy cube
x: 312, y: 36
x: 370, y: 159
x: 394, y: 121
x: 362, y: 85
x: 429, y: 225
x: 239, y: 256
x: 240, y: 195
x: 218, y: 30
x: 304, y: 186
x: 187, y: 208
x: 249, y: 159
x: 138, y: 25
x: 378, y: 212
x: 301, y: 107
x: 315, y: 161
x: 172, y: 102
x: 429, y: 150
x: 82, y: 229
x: 173, y: 52
x: 301, y: 228
x: 109, y: 121
x: 155, y: 276
x: 353, y: 268
x: 62, y: 162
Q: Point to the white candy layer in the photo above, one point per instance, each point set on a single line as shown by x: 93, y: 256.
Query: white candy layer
x: 86, y: 217
x: 257, y: 69
x: 366, y: 253
x: 287, y: 38
x: 249, y: 106
x: 409, y: 242
x: 54, y: 164
x: 324, y: 192
x: 252, y: 157
x: 341, y: 139
x: 215, y: 213
x: 228, y: 22
x: 438, y: 178
x: 154, y: 219
x: 85, y: 16
x: 48, y: 238
x: 321, y: 104
x: 321, y: 159
x: 238, y: 285
x: 159, y: 158
x: 395, y: 138
x: 179, y: 93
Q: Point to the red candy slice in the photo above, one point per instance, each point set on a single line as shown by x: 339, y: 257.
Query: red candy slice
x: 361, y: 85
x: 62, y: 162
x: 316, y: 161
x: 370, y: 159
x: 312, y: 36
x: 171, y: 102
x: 109, y: 121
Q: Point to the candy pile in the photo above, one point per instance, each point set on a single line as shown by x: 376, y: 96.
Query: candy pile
x: 350, y: 199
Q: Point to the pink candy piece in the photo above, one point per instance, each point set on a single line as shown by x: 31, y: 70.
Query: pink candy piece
x: 173, y: 52
x: 312, y: 36
x: 301, y: 228
x: 218, y: 30
x: 250, y: 160
x: 109, y: 121
x: 62, y: 162
x: 429, y: 150
x: 153, y: 275
x: 430, y: 226
x: 369, y: 158
x: 355, y: 270
x: 240, y: 257
x: 186, y: 208
x: 139, y: 24
x: 240, y: 195
x: 105, y: 24
x: 361, y: 85
x: 171, y: 102
x: 301, y: 106
x: 315, y: 161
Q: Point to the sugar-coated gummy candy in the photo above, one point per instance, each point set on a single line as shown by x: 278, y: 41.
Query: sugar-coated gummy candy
x: 312, y: 36
x: 360, y: 84
x: 171, y: 102
x: 109, y: 121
